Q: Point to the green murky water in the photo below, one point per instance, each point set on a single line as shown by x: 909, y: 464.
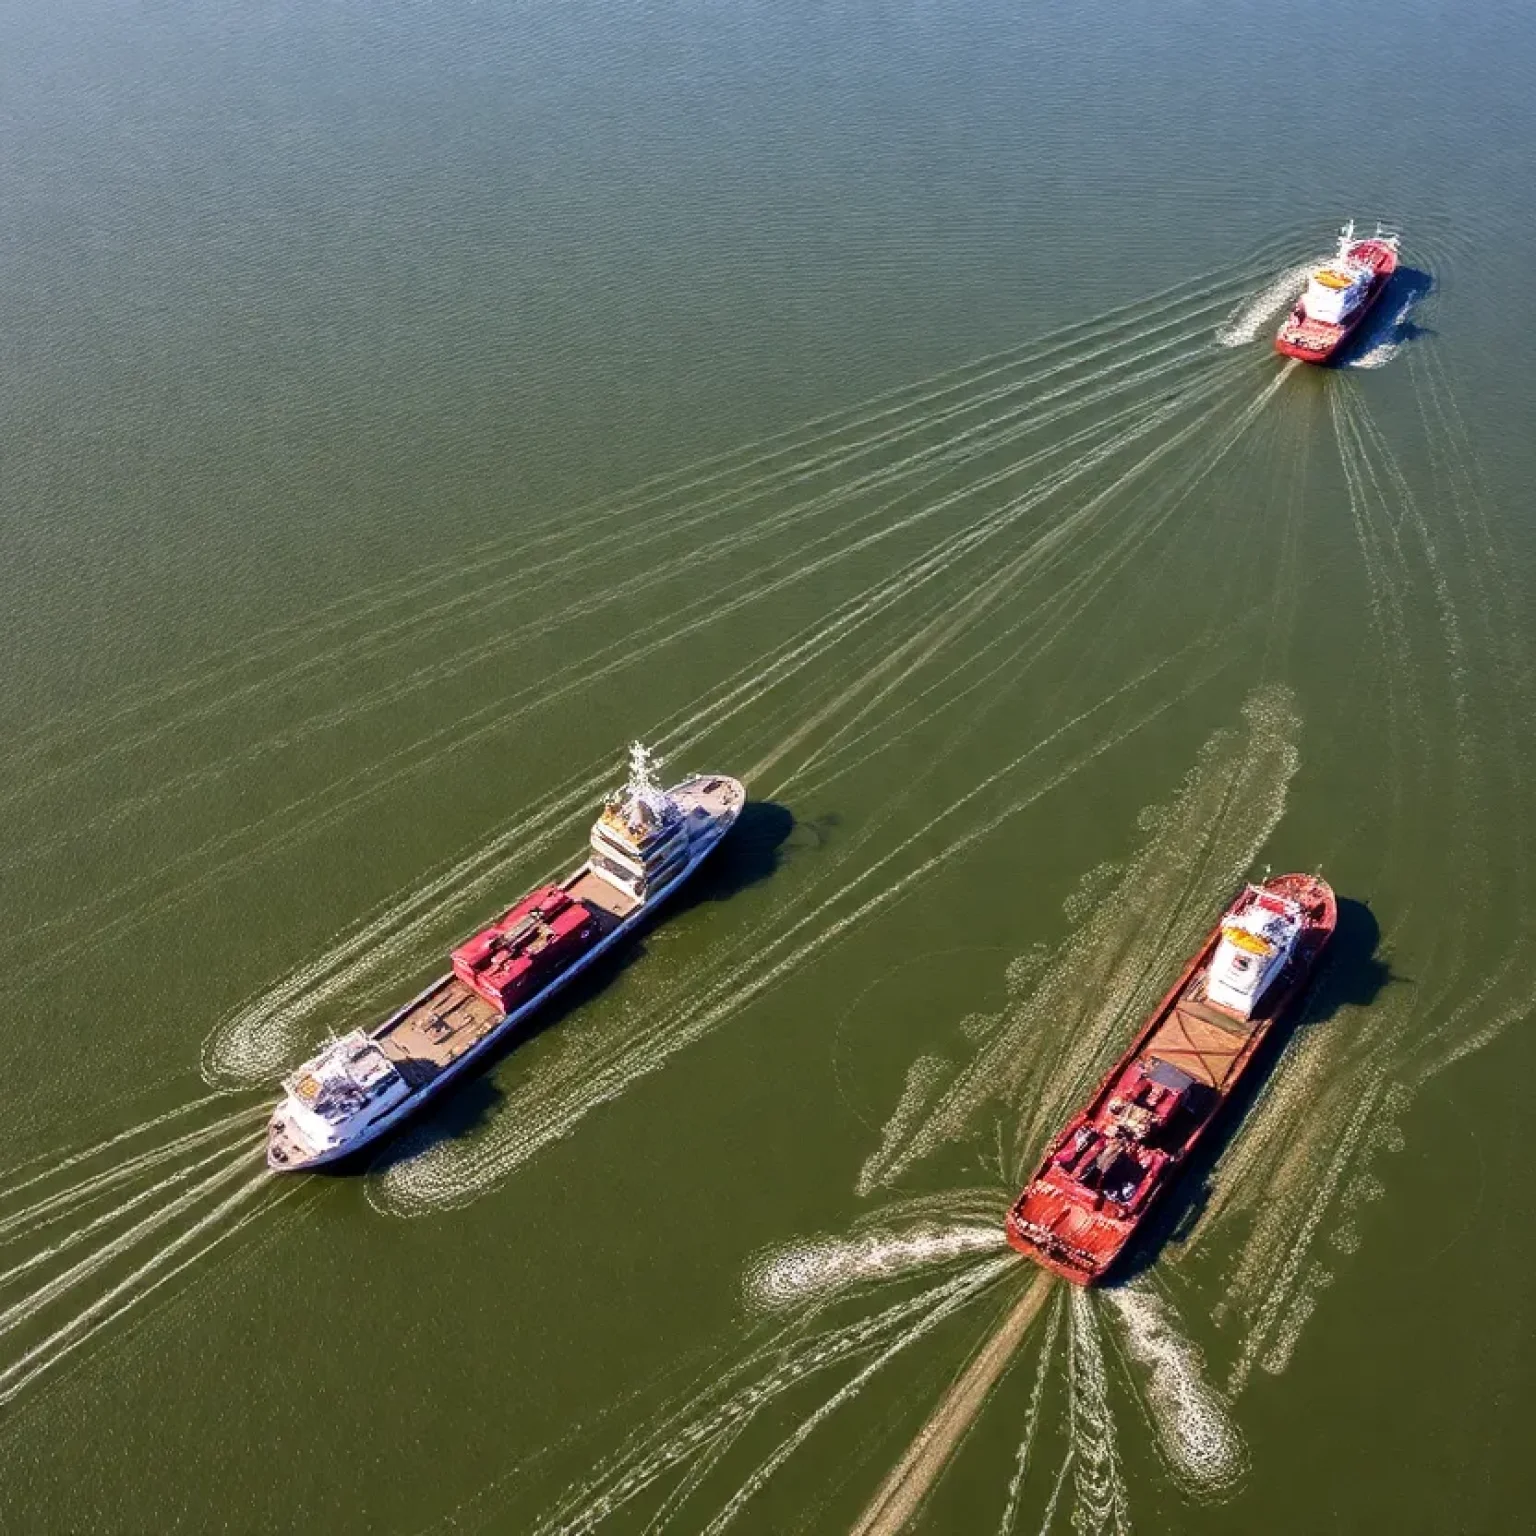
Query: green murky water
x: 407, y: 405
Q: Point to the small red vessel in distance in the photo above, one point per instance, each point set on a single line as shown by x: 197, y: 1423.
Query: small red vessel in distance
x: 1102, y: 1174
x: 1337, y: 296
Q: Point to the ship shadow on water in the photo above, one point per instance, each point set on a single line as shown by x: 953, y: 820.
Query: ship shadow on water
x: 750, y: 854
x: 1390, y: 322
x: 1353, y: 976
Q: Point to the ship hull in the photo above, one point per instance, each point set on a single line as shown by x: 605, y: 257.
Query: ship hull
x: 290, y: 1161
x: 1315, y: 341
x: 1081, y: 1237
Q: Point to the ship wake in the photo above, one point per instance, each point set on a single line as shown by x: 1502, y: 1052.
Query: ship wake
x: 1250, y: 1253
x: 91, y: 1241
x: 1196, y: 848
x: 582, y: 1071
x: 907, y: 1290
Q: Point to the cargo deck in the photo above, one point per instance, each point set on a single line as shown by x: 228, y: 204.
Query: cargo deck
x: 452, y: 1019
x: 1205, y: 1041
x: 1101, y: 1174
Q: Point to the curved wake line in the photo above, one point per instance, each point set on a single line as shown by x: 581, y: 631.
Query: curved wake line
x: 968, y: 1289
x: 452, y: 1174
x: 56, y: 1204
x: 708, y: 610
x: 699, y: 1428
x: 819, y: 1269
x: 1199, y: 845
x: 262, y: 1037
x: 410, y: 627
x: 92, y: 1246
x: 1194, y: 1424
x: 1248, y: 319
x: 1094, y: 1454
x: 91, y: 1319
x: 84, y: 1154
x: 48, y: 1292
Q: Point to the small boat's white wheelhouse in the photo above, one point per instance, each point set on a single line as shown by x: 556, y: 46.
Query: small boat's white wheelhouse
x: 1257, y: 938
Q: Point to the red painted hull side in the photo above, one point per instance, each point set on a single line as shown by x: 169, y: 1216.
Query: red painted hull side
x: 1049, y: 1204
x: 1323, y: 341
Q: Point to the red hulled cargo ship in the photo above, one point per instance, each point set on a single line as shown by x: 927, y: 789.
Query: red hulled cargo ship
x: 1337, y: 296
x: 1104, y: 1171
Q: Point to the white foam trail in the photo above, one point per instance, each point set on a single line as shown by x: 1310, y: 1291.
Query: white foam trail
x: 453, y: 1173
x: 1031, y: 1419
x: 84, y: 1154
x: 410, y: 627
x: 112, y: 1217
x: 731, y: 1398
x: 1068, y: 1464
x: 18, y: 1312
x: 819, y: 1269
x: 1377, y: 356
x: 1044, y: 546
x: 262, y: 1037
x: 1047, y: 624
x: 972, y: 442
x: 925, y: 1077
x: 65, y: 1202
x: 1286, y: 1274
x: 1475, y: 1040
x: 1390, y: 342
x: 913, y: 1477
x: 929, y: 641
x: 1248, y: 319
x: 703, y: 1466
x: 1102, y: 1501
x: 1196, y: 850
x: 1278, y: 1356
x: 46, y: 1354
x: 965, y: 1290
x: 499, y: 716
x: 1194, y: 1424
x: 1254, y: 1165
x: 665, y: 488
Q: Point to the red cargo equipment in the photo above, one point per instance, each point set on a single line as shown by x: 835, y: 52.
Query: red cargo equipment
x: 542, y: 934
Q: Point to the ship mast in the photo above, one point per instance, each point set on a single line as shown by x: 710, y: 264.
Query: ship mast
x: 644, y: 790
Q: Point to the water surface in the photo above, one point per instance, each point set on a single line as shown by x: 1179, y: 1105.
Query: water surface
x: 407, y: 405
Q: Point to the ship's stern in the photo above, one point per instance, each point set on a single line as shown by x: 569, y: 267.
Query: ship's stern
x: 1041, y: 1226
x: 287, y: 1149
